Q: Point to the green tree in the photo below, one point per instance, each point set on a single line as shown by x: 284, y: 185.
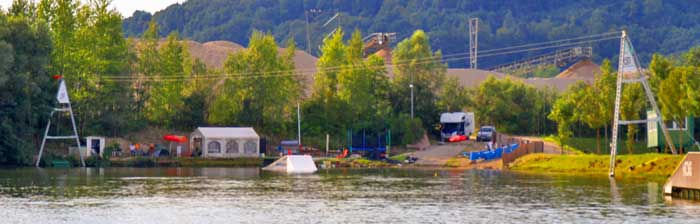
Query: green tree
x: 508, y: 104
x: 106, y: 50
x: 90, y: 51
x: 604, y: 87
x: 453, y: 96
x: 26, y: 89
x: 632, y: 103
x: 363, y: 87
x: 328, y: 109
x: 166, y: 98
x: 678, y: 98
x: 148, y: 67
x: 692, y: 57
x: 563, y: 114
x: 417, y: 65
x: 22, y: 8
x: 261, y: 89
x: 659, y: 68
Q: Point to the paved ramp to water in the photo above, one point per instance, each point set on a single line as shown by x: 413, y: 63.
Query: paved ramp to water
x: 437, y: 155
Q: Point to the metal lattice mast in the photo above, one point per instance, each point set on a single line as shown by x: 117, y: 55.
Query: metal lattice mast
x: 64, y: 106
x: 473, y: 41
x: 628, y: 62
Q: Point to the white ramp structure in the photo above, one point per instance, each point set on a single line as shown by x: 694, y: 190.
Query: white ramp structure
x: 293, y: 164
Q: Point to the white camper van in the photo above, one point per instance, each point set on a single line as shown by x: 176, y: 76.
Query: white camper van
x: 456, y: 123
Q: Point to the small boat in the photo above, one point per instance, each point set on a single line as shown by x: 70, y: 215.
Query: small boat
x: 293, y: 164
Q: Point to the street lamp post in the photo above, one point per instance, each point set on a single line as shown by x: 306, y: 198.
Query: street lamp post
x: 299, y: 123
x: 411, y: 86
x: 412, y: 97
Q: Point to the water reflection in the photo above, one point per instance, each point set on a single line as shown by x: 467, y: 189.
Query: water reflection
x: 340, y: 195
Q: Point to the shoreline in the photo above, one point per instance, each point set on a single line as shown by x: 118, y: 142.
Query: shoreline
x: 638, y: 166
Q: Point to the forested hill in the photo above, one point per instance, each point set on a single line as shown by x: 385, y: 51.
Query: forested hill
x: 654, y: 25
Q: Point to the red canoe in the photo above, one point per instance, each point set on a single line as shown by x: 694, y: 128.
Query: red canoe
x: 457, y: 138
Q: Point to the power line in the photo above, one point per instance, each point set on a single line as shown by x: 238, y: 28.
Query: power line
x: 602, y: 35
x: 431, y: 59
x: 311, y: 71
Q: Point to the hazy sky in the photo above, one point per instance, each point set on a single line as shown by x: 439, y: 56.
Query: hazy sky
x: 126, y: 7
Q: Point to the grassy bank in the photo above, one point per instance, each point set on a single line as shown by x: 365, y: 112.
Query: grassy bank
x: 457, y: 162
x: 650, y: 165
x: 185, y: 162
x: 357, y: 163
x: 588, y: 145
x: 400, y: 157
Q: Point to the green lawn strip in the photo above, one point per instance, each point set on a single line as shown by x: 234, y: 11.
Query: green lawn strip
x: 588, y: 145
x: 357, y: 162
x: 650, y: 165
x: 400, y: 157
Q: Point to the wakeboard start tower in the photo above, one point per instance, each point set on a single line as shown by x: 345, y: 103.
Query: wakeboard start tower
x: 629, y: 71
x: 64, y: 106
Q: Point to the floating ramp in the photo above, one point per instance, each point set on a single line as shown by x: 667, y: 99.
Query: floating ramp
x: 685, y: 181
x: 296, y: 164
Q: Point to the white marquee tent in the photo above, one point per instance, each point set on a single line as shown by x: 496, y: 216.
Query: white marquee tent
x: 226, y: 142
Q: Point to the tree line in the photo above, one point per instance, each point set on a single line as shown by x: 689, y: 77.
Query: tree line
x: 673, y: 79
x: 667, y: 26
x: 121, y: 85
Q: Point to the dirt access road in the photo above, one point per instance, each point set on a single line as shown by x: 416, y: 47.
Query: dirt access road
x: 437, y: 155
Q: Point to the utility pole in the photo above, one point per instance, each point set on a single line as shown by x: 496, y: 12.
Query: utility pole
x: 473, y: 41
x: 308, y: 32
x: 299, y: 123
x: 629, y: 64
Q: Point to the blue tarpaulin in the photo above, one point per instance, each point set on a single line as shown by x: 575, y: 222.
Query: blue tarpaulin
x: 492, y: 154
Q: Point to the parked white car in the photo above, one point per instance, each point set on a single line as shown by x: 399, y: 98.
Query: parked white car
x: 485, y: 133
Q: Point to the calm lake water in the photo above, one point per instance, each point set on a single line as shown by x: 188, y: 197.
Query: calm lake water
x: 248, y: 195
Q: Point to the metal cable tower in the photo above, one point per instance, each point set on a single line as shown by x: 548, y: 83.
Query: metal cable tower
x: 473, y: 41
x: 63, y: 106
x: 629, y: 64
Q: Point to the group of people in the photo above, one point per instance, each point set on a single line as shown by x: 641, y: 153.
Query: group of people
x: 152, y: 150
x: 141, y: 150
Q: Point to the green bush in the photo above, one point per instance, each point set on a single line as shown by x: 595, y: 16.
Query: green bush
x: 74, y: 161
x: 405, y: 130
x: 107, y: 154
x: 95, y: 161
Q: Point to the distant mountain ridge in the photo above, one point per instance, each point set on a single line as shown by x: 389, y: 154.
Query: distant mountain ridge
x: 654, y: 25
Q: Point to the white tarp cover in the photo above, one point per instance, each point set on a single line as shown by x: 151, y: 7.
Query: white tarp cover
x: 62, y: 95
x: 455, y: 117
x: 293, y: 164
x: 228, y: 132
x: 629, y: 59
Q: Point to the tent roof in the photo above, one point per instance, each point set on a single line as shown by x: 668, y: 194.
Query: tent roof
x: 228, y: 132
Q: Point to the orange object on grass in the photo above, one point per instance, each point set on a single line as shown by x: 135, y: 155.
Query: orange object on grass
x: 345, y: 154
